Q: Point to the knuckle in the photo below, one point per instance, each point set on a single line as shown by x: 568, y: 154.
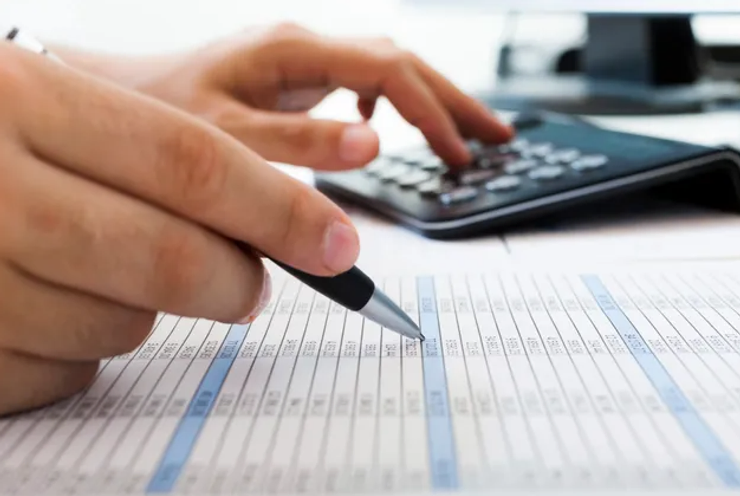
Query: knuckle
x: 395, y: 60
x: 191, y: 164
x: 284, y: 34
x: 386, y: 42
x: 288, y: 29
x: 45, y: 219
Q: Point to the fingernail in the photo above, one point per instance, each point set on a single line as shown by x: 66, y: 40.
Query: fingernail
x: 263, y: 301
x: 341, y: 247
x: 359, y: 143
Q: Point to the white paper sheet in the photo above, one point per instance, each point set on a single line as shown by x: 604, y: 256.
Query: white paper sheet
x: 659, y: 233
x: 623, y: 379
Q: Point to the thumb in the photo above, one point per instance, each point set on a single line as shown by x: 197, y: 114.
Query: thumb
x: 296, y: 138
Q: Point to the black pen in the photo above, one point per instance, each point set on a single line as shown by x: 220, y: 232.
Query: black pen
x: 352, y: 289
x: 357, y: 292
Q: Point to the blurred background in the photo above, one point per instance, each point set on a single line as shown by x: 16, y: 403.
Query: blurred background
x: 461, y: 38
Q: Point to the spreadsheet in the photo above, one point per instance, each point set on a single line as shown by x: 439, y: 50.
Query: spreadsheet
x: 550, y: 380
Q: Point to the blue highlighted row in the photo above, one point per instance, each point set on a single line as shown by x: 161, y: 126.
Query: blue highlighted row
x: 188, y: 430
x: 703, y: 437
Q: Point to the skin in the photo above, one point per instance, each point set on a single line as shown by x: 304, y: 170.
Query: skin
x: 126, y: 181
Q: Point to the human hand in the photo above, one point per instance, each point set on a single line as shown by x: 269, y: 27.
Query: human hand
x: 259, y: 85
x: 114, y: 206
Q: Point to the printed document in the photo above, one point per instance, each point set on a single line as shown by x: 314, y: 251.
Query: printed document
x: 606, y: 380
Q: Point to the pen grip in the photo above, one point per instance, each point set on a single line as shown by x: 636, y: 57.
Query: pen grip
x: 352, y: 289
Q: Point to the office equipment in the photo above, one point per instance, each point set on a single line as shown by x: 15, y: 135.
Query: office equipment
x: 634, y: 58
x: 620, y: 379
x: 555, y: 163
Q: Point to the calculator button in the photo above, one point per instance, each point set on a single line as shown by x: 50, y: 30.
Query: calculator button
x: 413, y: 178
x: 377, y: 166
x: 476, y: 176
x: 546, y: 172
x: 434, y: 187
x: 459, y: 195
x: 565, y: 156
x: 432, y: 163
x: 589, y: 162
x: 538, y: 150
x: 519, y: 166
x: 519, y: 144
x: 493, y: 159
x: 503, y: 183
x: 474, y: 147
x: 393, y: 172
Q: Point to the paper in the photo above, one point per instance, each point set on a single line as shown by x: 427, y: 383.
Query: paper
x: 391, y: 249
x: 527, y: 380
x: 656, y: 231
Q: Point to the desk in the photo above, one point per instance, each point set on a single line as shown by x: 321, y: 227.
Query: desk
x: 460, y: 43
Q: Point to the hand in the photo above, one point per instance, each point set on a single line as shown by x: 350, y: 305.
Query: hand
x: 114, y: 206
x: 258, y: 87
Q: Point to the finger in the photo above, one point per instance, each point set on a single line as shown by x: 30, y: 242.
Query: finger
x: 65, y: 324
x: 77, y: 234
x: 366, y: 106
x: 473, y: 119
x: 363, y: 69
x: 39, y: 382
x: 180, y: 163
x: 301, y: 140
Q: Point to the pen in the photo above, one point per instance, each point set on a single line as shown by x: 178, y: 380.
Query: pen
x: 356, y: 291
x: 352, y: 289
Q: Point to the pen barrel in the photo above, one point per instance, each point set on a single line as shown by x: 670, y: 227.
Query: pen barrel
x: 351, y: 289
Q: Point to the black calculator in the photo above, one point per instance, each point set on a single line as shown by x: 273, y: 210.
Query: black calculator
x: 555, y: 162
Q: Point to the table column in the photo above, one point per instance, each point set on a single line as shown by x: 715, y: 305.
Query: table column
x: 416, y: 455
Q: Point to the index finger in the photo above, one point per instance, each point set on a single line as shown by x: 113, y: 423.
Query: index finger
x: 473, y: 118
x: 182, y: 165
x: 368, y: 70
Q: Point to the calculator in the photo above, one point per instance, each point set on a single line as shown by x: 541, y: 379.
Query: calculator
x: 555, y: 162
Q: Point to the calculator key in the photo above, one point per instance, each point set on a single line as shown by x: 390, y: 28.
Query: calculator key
x: 433, y: 163
x: 476, y: 176
x: 565, y: 156
x: 589, y: 162
x: 538, y: 150
x: 413, y: 178
x: 492, y: 159
x: 546, y: 172
x: 504, y: 183
x: 521, y: 165
x: 519, y: 144
x: 474, y: 146
x: 377, y: 166
x: 434, y: 187
x: 393, y: 172
x: 458, y: 195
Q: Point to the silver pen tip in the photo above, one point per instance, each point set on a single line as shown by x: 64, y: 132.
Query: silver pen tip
x: 382, y: 310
